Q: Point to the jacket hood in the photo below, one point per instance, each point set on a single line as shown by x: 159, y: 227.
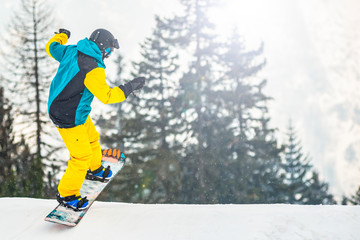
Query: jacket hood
x: 91, y: 49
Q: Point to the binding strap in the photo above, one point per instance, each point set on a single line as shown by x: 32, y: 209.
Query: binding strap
x: 105, y: 173
x: 81, y: 202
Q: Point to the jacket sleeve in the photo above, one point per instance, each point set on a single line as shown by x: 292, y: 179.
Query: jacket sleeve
x: 96, y: 84
x: 55, y: 47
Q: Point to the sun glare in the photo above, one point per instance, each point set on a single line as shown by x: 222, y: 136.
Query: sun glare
x: 252, y: 19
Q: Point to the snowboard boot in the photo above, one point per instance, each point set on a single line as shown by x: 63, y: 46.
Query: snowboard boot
x: 101, y: 174
x: 76, y: 203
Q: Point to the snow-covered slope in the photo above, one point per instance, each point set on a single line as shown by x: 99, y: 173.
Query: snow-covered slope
x: 23, y: 218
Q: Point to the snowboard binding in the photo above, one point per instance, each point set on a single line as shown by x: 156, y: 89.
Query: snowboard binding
x: 101, y: 174
x: 76, y: 203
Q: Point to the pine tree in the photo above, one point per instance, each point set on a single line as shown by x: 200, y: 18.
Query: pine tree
x: 156, y: 110
x: 147, y: 133
x: 28, y: 73
x: 355, y: 199
x: 264, y: 180
x: 253, y: 149
x: 242, y: 89
x: 15, y: 174
x: 317, y: 192
x: 192, y: 31
x: 296, y: 169
x: 344, y: 200
x: 28, y: 184
x: 300, y: 185
x: 7, y: 147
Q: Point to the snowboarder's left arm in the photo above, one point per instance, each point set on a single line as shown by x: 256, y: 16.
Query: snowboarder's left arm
x: 96, y: 84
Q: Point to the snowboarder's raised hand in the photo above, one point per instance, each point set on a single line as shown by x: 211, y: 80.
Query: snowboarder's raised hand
x: 135, y: 84
x: 62, y: 30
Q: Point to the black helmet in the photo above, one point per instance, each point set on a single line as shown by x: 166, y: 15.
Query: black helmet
x: 105, y: 41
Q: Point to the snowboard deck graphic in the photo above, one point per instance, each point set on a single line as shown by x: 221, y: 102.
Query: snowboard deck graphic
x: 91, y: 189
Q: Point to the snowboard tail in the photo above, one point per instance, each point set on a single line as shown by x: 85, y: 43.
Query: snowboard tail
x: 91, y: 189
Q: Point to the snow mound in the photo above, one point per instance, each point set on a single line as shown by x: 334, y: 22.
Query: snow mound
x: 23, y: 218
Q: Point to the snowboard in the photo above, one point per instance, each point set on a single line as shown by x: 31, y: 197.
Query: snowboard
x: 90, y: 188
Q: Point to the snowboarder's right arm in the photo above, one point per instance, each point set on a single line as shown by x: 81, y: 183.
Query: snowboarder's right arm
x: 55, y: 47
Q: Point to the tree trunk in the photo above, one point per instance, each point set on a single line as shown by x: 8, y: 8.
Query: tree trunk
x: 37, y: 97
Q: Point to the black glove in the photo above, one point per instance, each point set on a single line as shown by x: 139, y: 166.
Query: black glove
x: 134, y: 84
x: 137, y: 83
x: 62, y: 30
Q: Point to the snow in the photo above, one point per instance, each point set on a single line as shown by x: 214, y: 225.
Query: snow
x: 23, y: 218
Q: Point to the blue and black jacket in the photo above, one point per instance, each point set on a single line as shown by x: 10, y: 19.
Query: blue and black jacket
x: 80, y: 77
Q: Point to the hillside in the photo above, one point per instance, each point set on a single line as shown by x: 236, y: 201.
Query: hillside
x: 23, y: 218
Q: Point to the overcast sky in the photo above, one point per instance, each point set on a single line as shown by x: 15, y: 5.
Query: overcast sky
x: 313, y: 59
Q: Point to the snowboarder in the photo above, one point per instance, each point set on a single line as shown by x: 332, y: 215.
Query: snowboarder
x: 80, y: 77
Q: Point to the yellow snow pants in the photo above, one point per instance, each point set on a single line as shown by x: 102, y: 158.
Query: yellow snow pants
x: 85, y: 153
